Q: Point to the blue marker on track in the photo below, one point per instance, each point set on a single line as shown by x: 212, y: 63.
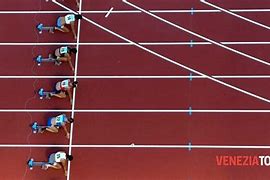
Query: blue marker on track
x: 190, y: 76
x: 190, y: 111
x: 191, y: 43
x: 189, y: 146
x: 192, y: 11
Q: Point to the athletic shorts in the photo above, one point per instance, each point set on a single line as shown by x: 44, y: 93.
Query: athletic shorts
x: 57, y: 91
x: 52, y: 159
x: 49, y: 122
x: 58, y: 23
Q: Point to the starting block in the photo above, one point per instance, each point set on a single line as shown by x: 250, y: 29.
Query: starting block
x: 31, y: 164
x: 39, y: 59
x: 41, y: 28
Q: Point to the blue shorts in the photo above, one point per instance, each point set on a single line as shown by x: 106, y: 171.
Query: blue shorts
x: 56, y: 91
x: 49, y: 122
x: 51, y: 159
x: 58, y: 23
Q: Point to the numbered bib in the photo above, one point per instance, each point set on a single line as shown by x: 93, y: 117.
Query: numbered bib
x: 69, y: 18
x: 63, y: 50
x: 64, y: 84
x: 59, y: 156
x: 59, y: 119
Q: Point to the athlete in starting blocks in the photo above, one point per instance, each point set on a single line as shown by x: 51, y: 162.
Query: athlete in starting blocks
x: 58, y: 160
x: 62, y: 90
x: 61, y: 24
x: 61, y: 55
x: 53, y: 125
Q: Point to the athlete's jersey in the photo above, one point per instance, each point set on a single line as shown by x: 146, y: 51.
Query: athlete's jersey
x: 59, y: 156
x: 63, y: 85
x: 59, y: 120
x: 69, y: 18
x: 63, y: 50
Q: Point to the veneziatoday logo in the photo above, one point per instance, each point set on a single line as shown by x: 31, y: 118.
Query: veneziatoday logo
x: 228, y: 160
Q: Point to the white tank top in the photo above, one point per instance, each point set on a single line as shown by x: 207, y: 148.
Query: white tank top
x: 59, y: 120
x: 63, y: 50
x: 60, y: 156
x: 65, y: 84
x: 69, y: 18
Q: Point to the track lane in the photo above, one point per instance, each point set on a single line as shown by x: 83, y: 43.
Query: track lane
x: 161, y: 94
x: 16, y: 164
x: 122, y: 60
x: 173, y: 164
x: 172, y: 128
x: 19, y: 129
x: 18, y: 91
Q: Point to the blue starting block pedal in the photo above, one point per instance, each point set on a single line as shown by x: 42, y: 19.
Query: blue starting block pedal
x: 37, y: 128
x: 44, y: 94
x: 41, y: 28
x: 31, y: 164
x: 39, y: 59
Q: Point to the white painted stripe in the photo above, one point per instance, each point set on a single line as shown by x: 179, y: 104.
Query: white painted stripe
x: 236, y: 15
x: 168, y: 59
x: 132, y: 145
x: 140, y: 77
x: 109, y: 12
x: 130, y: 44
x: 74, y: 90
x: 139, y: 110
x: 135, y: 11
x: 198, y: 35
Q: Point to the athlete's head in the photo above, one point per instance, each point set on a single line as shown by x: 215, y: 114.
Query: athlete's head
x: 70, y: 120
x: 74, y: 84
x: 73, y: 50
x: 78, y: 16
x: 69, y: 157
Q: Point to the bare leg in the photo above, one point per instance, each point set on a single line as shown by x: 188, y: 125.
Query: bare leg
x: 60, y: 95
x: 52, y: 129
x: 45, y: 166
x: 62, y: 59
x: 64, y: 29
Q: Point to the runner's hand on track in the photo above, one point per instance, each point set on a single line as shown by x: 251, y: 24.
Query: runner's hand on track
x: 67, y: 135
x: 71, y: 102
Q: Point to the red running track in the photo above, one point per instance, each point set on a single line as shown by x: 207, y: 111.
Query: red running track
x: 127, y: 94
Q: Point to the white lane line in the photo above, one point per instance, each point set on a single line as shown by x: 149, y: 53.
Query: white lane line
x: 134, y: 11
x: 140, y: 110
x: 197, y: 35
x: 74, y: 90
x: 236, y: 15
x: 132, y: 145
x: 140, y: 77
x: 168, y: 59
x: 130, y: 44
x: 109, y: 12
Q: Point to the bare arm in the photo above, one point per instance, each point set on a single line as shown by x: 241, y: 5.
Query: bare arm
x: 64, y: 164
x: 70, y: 95
x: 66, y: 131
x: 70, y: 64
x: 72, y: 24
